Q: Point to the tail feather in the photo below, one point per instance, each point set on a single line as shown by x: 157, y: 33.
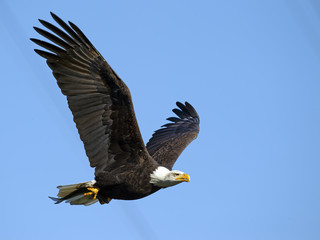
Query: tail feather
x: 92, y: 202
x: 75, y: 194
x: 84, y: 201
x: 75, y: 198
x: 65, y: 190
x: 58, y: 200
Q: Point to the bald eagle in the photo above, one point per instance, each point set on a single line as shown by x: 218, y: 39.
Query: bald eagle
x: 125, y: 168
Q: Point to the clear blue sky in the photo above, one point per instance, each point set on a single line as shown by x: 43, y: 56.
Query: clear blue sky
x: 250, y: 68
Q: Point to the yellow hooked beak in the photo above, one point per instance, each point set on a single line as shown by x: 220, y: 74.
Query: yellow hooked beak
x: 183, y: 178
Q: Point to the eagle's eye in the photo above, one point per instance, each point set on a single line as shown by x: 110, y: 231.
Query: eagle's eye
x: 176, y: 174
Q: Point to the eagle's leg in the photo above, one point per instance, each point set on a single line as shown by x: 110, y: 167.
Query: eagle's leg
x: 103, y: 200
x: 93, y: 191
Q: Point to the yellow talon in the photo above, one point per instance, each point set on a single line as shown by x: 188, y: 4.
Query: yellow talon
x: 94, y: 192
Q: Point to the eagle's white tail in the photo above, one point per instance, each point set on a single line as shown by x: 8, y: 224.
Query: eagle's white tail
x: 77, y: 194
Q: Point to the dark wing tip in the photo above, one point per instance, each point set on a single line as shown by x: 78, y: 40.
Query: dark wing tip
x: 191, y: 110
x: 47, y: 55
x: 36, y: 28
x: 186, y: 111
x: 187, y: 121
x: 173, y: 119
x: 71, y: 23
x: 53, y: 15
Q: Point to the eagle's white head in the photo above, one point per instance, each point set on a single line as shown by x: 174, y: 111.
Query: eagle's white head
x: 163, y: 177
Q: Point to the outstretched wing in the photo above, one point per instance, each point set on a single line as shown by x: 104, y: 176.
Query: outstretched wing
x: 99, y: 100
x: 167, y: 143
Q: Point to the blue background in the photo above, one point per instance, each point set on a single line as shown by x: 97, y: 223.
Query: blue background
x: 250, y: 68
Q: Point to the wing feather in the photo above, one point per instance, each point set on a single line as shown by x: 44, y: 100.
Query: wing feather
x: 98, y: 99
x: 167, y: 143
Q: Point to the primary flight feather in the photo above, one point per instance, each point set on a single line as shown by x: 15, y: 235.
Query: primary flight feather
x: 102, y: 108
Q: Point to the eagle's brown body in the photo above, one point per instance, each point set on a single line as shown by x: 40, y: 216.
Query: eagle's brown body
x: 127, y: 182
